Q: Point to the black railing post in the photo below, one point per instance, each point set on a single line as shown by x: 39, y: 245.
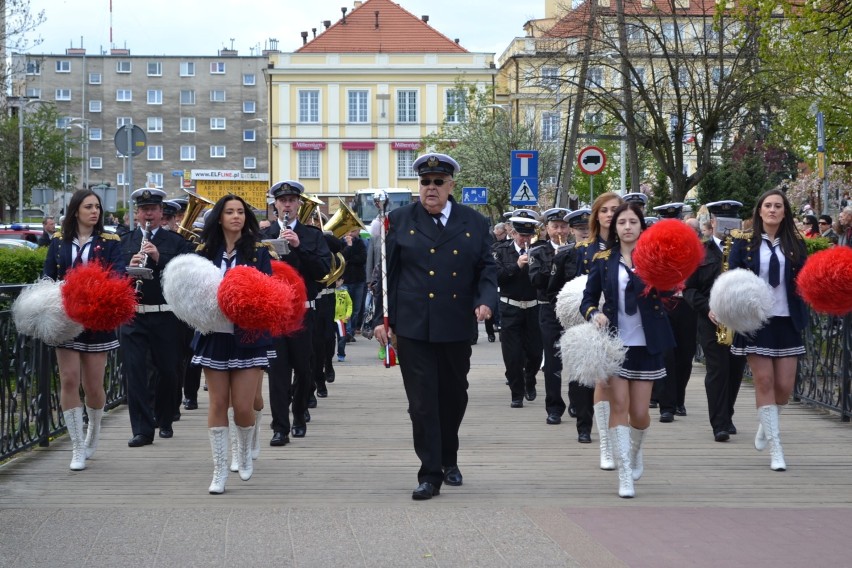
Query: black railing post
x: 845, y: 371
x: 43, y: 372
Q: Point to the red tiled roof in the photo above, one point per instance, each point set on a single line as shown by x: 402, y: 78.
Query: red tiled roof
x: 398, y: 31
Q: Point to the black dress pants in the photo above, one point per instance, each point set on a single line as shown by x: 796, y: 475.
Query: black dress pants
x: 723, y: 379
x: 520, y: 338
x: 435, y: 378
x: 290, y: 376
x: 672, y: 389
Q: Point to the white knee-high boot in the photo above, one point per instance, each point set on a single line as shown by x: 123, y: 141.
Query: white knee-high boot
x: 219, y: 446
x: 602, y: 422
x: 620, y: 437
x: 637, y: 437
x: 93, y: 431
x: 760, y: 438
x: 74, y: 423
x: 246, y: 467
x: 232, y: 434
x: 769, y: 420
x: 255, y: 436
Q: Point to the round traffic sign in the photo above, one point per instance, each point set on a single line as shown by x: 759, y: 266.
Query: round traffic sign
x: 591, y: 160
x: 135, y: 144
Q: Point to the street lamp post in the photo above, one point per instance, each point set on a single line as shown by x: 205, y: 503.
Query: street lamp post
x: 83, y: 125
x: 22, y: 107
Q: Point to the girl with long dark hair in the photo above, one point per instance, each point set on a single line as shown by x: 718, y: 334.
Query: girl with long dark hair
x: 233, y: 361
x: 82, y: 360
x: 776, y: 252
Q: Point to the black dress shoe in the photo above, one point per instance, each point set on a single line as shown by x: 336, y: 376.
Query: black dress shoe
x: 653, y: 404
x: 531, y: 394
x: 452, y: 476
x: 176, y: 417
x: 554, y: 418
x: 322, y: 392
x: 279, y: 439
x: 680, y: 411
x: 329, y: 376
x: 572, y: 412
x: 425, y: 491
x: 312, y: 402
x: 190, y: 404
x: 492, y: 338
x: 140, y: 440
x: 722, y: 436
x: 584, y: 437
x: 299, y: 430
x: 732, y: 430
x: 517, y: 403
x: 166, y: 432
x: 307, y: 416
x: 666, y: 417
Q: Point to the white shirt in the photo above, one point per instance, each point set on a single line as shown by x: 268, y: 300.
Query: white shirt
x: 779, y: 293
x: 629, y: 326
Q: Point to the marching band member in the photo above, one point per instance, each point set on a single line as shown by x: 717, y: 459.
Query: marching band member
x: 641, y: 323
x: 233, y: 361
x: 724, y: 369
x: 520, y: 335
x: 154, y: 334
x: 82, y: 360
x: 599, y: 232
x: 775, y: 251
x: 309, y: 255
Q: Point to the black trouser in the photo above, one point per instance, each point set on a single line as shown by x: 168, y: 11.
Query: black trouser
x: 150, y: 391
x: 435, y: 378
x: 290, y: 376
x: 551, y: 329
x: 521, y: 346
x: 723, y: 378
x: 671, y: 391
x: 186, y: 334
x: 323, y: 330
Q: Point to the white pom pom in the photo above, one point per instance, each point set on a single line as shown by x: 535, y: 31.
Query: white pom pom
x: 190, y: 283
x: 38, y: 312
x: 568, y: 302
x: 590, y: 354
x: 741, y: 300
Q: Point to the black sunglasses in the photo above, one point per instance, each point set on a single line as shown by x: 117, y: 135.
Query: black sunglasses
x: 438, y: 182
x: 823, y: 223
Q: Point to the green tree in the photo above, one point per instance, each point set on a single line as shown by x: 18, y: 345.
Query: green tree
x: 45, y: 149
x: 482, y: 140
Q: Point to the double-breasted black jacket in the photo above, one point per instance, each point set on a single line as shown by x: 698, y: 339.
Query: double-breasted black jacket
x: 105, y: 248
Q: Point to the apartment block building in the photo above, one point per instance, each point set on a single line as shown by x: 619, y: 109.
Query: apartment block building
x: 197, y: 112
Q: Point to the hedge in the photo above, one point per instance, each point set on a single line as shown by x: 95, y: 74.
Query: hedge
x: 21, y: 265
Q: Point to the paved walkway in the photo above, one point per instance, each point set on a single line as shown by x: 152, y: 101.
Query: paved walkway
x: 532, y: 495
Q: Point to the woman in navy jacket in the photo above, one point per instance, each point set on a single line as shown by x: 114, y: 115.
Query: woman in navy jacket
x: 233, y: 360
x: 640, y: 320
x: 774, y: 251
x: 83, y: 359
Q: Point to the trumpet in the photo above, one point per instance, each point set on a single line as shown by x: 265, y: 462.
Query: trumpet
x: 142, y: 272
x: 724, y: 334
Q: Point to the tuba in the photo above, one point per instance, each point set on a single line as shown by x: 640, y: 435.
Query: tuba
x: 724, y: 334
x: 342, y: 222
x: 195, y: 205
x: 307, y: 207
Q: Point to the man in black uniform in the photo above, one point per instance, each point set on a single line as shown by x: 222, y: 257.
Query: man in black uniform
x: 540, y: 266
x: 520, y: 335
x: 671, y: 391
x: 325, y: 333
x: 724, y: 370
x: 440, y: 274
x: 309, y: 255
x: 154, y: 334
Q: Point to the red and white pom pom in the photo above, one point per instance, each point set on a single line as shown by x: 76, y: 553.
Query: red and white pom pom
x: 666, y: 254
x: 38, y: 312
x: 190, y: 286
x: 255, y: 301
x: 741, y: 301
x: 292, y: 305
x: 591, y: 355
x: 98, y: 299
x: 825, y: 281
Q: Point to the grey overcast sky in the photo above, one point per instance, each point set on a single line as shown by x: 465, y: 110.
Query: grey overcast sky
x: 201, y: 27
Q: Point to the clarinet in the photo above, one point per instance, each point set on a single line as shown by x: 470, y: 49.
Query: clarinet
x: 141, y: 272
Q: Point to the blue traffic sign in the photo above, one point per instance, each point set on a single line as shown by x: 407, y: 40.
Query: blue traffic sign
x: 474, y: 196
x: 524, y: 170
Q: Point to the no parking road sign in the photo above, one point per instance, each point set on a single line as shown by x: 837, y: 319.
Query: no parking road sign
x: 591, y: 160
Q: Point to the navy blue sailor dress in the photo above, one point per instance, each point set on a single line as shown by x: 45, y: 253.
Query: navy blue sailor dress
x: 62, y: 256
x: 237, y: 348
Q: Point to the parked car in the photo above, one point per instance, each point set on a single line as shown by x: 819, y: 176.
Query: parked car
x: 29, y: 233
x: 16, y: 243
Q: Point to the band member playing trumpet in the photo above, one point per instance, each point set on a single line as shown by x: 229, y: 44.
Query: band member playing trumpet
x: 309, y: 254
x: 153, y: 335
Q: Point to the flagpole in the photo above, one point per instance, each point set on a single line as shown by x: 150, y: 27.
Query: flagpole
x: 380, y: 198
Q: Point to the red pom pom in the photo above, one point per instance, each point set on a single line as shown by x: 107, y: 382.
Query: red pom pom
x: 98, y: 299
x: 257, y: 302
x: 667, y: 254
x: 292, y: 305
x: 825, y: 282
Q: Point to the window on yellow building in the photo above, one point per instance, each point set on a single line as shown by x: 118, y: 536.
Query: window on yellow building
x: 404, y: 162
x: 455, y: 106
x: 309, y: 164
x: 358, y: 107
x: 358, y: 162
x: 406, y: 107
x: 308, y: 106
